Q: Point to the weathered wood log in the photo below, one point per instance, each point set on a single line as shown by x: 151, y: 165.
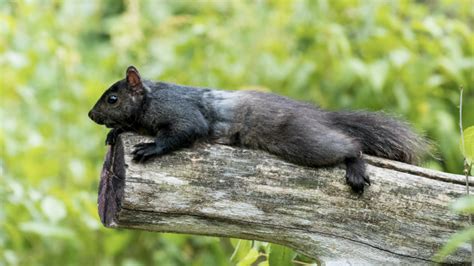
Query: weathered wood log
x: 215, y: 190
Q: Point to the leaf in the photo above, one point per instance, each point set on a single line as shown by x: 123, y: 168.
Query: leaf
x: 468, y: 149
x: 131, y: 262
x: 234, y: 242
x: 453, y: 243
x: 116, y: 243
x: 307, y: 260
x: 53, y: 208
x: 464, y: 205
x: 241, y: 250
x: 261, y: 246
x: 280, y: 255
x: 47, y: 230
x: 250, y: 258
x: 377, y: 74
x: 400, y: 57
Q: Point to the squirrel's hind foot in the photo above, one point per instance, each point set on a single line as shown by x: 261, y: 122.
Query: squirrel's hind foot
x: 356, y: 176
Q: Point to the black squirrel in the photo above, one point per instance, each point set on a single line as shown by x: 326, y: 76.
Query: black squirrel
x: 299, y: 132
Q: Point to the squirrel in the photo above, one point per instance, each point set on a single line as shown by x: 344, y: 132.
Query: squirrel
x: 177, y: 116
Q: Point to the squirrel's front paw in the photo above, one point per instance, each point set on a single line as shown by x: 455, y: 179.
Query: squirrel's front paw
x: 112, y: 136
x: 144, y: 151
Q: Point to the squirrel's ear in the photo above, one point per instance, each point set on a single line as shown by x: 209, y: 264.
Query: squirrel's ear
x: 133, y: 77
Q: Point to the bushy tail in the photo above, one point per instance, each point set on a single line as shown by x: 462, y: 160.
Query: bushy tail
x: 382, y: 135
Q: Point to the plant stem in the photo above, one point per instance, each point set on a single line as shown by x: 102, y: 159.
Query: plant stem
x: 467, y: 166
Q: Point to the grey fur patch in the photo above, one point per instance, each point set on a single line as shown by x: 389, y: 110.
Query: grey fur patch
x: 224, y: 105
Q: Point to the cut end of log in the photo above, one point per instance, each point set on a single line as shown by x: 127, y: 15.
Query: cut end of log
x: 112, y: 180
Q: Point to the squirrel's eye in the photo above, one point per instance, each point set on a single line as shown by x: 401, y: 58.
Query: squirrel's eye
x: 112, y: 99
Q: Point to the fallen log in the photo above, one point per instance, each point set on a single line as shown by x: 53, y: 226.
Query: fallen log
x: 216, y: 190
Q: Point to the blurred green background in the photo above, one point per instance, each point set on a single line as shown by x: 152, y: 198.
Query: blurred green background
x: 57, y: 57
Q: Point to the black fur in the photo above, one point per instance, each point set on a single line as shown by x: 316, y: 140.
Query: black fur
x: 298, y: 132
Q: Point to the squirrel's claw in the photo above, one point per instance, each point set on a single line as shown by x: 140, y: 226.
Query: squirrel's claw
x: 367, y: 179
x: 357, y: 181
x: 144, y: 151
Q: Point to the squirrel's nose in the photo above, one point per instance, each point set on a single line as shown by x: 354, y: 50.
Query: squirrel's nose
x: 91, y: 115
x: 95, y: 117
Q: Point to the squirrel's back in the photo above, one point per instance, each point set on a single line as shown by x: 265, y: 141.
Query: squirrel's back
x: 271, y: 122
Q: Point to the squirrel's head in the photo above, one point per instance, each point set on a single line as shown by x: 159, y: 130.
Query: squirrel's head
x: 120, y: 103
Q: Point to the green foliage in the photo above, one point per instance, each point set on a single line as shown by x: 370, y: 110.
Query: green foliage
x: 464, y: 205
x: 57, y: 57
x: 241, y: 249
x: 280, y: 255
x: 247, y: 253
x: 468, y: 149
x: 454, y: 242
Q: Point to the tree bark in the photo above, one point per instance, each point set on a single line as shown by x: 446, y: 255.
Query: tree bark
x: 216, y: 190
